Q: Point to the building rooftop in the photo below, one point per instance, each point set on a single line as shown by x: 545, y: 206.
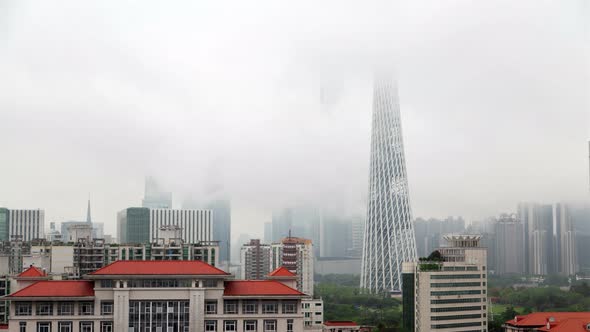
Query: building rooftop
x: 282, y: 272
x: 159, y: 268
x: 57, y: 288
x: 259, y: 288
x: 558, y: 321
x: 32, y: 272
x: 340, y: 323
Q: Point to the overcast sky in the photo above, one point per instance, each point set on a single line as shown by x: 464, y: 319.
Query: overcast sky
x: 226, y: 94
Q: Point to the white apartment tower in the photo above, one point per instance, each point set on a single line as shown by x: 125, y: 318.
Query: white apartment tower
x: 196, y: 225
x: 448, y: 291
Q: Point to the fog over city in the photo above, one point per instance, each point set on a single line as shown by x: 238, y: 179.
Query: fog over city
x: 269, y: 103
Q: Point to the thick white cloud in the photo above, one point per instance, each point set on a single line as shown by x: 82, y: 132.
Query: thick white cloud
x: 494, y: 101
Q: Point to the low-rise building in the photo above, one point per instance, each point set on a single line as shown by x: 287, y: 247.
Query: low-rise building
x: 341, y: 326
x: 167, y: 296
x: 549, y: 322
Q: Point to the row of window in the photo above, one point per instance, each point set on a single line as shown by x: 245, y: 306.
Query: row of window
x: 63, y: 308
x: 453, y: 301
x: 455, y: 325
x: 460, y: 268
x: 249, y: 326
x: 67, y: 327
x: 451, y: 309
x: 459, y: 292
x: 159, y: 283
x: 251, y: 307
x: 455, y: 284
x: 455, y: 317
x: 456, y: 276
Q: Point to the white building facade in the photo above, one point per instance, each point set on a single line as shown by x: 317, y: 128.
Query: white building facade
x: 26, y: 225
x: 196, y: 225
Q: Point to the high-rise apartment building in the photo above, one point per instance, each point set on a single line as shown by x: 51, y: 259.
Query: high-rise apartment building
x: 429, y: 233
x: 25, y: 225
x: 255, y: 260
x: 565, y: 240
x: 154, y: 196
x: 335, y: 236
x: 509, y: 247
x: 447, y: 292
x: 389, y: 234
x: 296, y: 255
x: 221, y: 223
x: 538, y: 238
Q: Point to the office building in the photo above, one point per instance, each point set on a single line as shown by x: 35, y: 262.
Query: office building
x: 335, y: 236
x: 509, y: 247
x: 255, y: 260
x: 171, y: 296
x: 389, y: 234
x: 4, y: 224
x: 154, y: 196
x: 447, y: 291
x: 357, y: 235
x: 25, y: 225
x: 133, y: 225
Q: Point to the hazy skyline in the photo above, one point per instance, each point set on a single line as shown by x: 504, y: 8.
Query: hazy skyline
x: 225, y: 96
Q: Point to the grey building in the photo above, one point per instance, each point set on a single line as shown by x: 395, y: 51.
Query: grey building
x: 565, y: 249
x: 303, y: 220
x: 509, y: 247
x: 221, y: 221
x: 133, y: 225
x: 25, y: 225
x: 538, y: 238
x: 255, y: 260
x: 154, y: 196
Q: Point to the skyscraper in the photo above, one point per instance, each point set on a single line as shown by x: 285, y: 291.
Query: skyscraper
x: 389, y: 234
x: 154, y: 197
x: 509, y: 248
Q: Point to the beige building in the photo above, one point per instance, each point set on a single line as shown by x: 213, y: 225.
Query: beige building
x: 447, y: 292
x: 157, y: 296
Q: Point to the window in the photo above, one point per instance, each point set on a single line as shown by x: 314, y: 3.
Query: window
x: 210, y: 325
x: 289, y: 307
x: 307, y: 314
x: 452, y: 301
x: 249, y: 307
x: 455, y: 276
x: 86, y: 326
x: 270, y: 326
x: 454, y: 284
x: 106, y: 284
x: 450, y: 309
x: 459, y: 292
x: 230, y: 325
x: 456, y: 317
x: 22, y: 327
x: 23, y: 308
x: 318, y: 304
x: 305, y: 305
x: 106, y: 326
x: 64, y: 327
x: 289, y: 325
x: 249, y: 325
x: 211, y: 307
x: 270, y: 307
x: 86, y: 309
x: 65, y: 308
x: 106, y: 308
x: 43, y: 327
x: 210, y: 283
x: 318, y: 313
x: 44, y: 308
x: 230, y: 307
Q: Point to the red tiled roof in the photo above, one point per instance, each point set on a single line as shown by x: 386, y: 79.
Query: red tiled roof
x: 568, y: 325
x: 258, y: 288
x: 342, y: 323
x: 32, y: 272
x: 538, y: 319
x: 159, y: 268
x: 57, y: 288
x: 282, y: 272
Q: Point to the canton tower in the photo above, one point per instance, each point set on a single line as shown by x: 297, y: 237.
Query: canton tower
x: 389, y: 238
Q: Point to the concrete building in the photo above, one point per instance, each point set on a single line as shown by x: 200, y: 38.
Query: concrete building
x: 296, y: 255
x: 195, y: 225
x: 448, y: 292
x: 565, y: 249
x: 133, y: 225
x: 170, y: 296
x: 24, y: 225
x: 549, y: 322
x: 509, y: 247
x: 255, y: 260
x: 538, y: 238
